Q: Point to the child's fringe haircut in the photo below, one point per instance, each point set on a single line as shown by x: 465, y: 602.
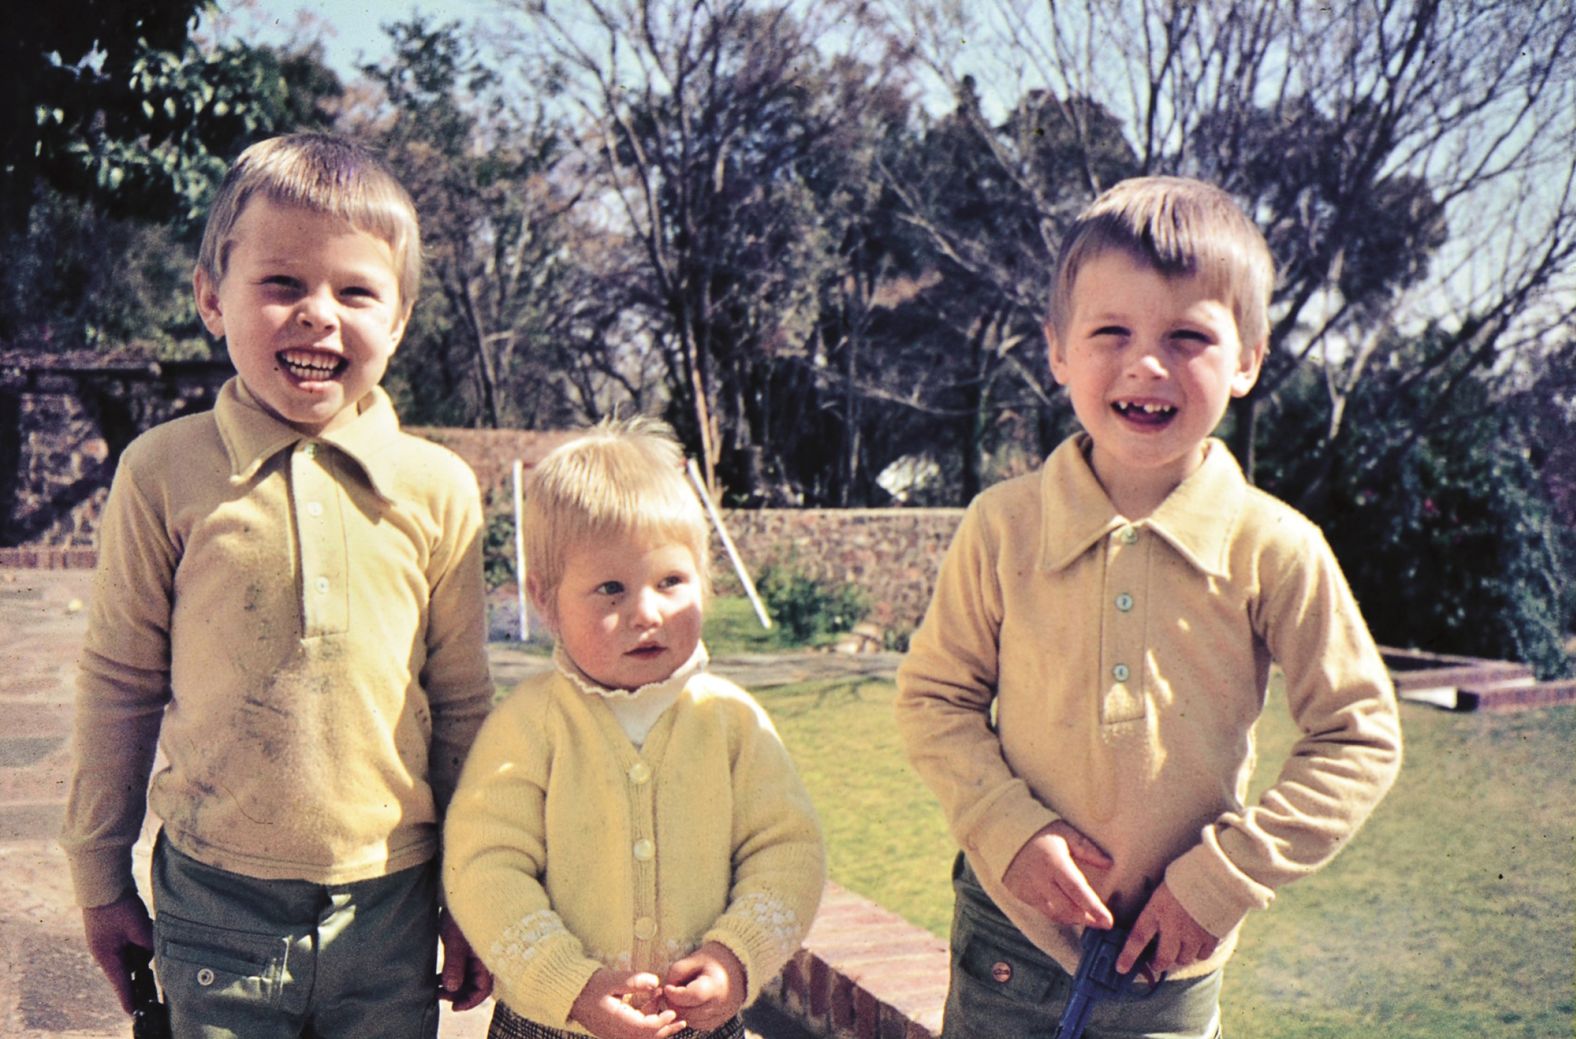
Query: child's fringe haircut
x: 622, y: 476
x: 325, y: 174
x: 1181, y: 227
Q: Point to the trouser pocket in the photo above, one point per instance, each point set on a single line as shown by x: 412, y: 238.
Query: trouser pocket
x: 208, y: 971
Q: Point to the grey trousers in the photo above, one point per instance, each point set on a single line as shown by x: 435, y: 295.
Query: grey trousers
x: 1003, y: 987
x: 242, y: 958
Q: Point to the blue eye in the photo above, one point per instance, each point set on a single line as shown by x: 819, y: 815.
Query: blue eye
x: 609, y: 588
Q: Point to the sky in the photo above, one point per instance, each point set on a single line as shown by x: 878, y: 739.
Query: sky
x: 352, y: 29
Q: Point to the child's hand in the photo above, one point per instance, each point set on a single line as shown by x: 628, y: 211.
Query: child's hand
x: 110, y: 931
x: 707, y: 986
x: 614, y: 1005
x: 1181, y: 940
x: 466, y: 982
x: 1047, y: 874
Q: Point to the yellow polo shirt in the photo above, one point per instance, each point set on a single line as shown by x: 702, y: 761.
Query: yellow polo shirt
x: 298, y: 622
x: 1126, y: 663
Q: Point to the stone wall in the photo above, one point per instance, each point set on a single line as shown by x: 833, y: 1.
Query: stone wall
x: 891, y: 554
x: 65, y: 418
x: 71, y: 429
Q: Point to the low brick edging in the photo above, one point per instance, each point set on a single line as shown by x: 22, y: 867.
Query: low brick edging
x: 48, y: 557
x: 864, y: 973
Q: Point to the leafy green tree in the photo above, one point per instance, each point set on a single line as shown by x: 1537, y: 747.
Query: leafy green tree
x: 1437, y: 508
x: 116, y: 129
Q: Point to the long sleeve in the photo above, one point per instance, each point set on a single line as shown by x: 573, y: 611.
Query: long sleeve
x: 1342, y: 700
x: 123, y: 686
x: 946, y: 687
x: 494, y: 862
x: 457, y: 677
x: 779, y: 862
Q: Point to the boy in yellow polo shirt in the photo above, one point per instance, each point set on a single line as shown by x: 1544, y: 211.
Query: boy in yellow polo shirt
x: 630, y: 846
x: 1082, y: 692
x: 289, y: 605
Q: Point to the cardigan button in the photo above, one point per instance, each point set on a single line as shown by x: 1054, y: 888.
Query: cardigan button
x: 639, y: 772
x: 645, y: 850
x: 1124, y: 602
x: 1121, y: 673
x: 645, y: 928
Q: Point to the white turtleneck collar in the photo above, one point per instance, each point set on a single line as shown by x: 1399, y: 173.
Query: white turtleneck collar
x: 636, y: 710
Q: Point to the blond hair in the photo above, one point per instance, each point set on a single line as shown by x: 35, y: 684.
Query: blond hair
x: 1181, y: 227
x: 326, y: 174
x: 622, y: 477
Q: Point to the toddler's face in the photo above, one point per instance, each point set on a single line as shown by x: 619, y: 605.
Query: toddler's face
x: 627, y: 612
x: 310, y: 311
x: 1150, y: 363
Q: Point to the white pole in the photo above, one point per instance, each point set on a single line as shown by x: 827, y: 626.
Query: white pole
x: 519, y: 545
x: 727, y: 543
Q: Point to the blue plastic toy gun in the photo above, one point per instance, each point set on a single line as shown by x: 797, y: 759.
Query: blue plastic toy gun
x: 1096, y: 979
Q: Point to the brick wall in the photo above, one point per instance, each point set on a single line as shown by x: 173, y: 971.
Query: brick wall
x: 864, y: 973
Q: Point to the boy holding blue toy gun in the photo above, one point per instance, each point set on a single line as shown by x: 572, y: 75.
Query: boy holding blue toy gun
x: 1082, y: 693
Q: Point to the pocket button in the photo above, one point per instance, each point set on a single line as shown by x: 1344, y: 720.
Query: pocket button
x: 205, y: 976
x: 1001, y: 970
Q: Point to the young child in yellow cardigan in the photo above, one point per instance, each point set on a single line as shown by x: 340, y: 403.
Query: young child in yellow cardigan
x: 630, y: 848
x: 1082, y: 693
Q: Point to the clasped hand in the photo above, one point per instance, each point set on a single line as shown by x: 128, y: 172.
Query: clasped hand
x: 1048, y: 874
x: 702, y: 991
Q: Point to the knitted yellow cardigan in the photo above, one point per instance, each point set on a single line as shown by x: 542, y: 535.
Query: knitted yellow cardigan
x: 566, y: 848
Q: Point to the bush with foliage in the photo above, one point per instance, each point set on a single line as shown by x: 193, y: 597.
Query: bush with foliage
x: 1432, y: 500
x: 806, y: 610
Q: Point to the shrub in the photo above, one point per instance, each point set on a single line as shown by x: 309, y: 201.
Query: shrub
x: 498, y: 550
x: 806, y: 610
x: 1432, y: 500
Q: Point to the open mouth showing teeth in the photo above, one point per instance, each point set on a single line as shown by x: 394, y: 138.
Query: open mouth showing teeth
x: 311, y: 366
x: 1146, y: 413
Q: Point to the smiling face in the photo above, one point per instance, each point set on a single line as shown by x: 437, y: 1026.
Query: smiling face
x: 310, y: 311
x: 1150, y: 363
x: 627, y: 612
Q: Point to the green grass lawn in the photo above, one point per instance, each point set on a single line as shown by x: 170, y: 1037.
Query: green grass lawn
x: 1452, y: 914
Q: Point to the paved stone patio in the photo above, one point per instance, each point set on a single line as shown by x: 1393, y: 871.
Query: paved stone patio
x: 49, y: 986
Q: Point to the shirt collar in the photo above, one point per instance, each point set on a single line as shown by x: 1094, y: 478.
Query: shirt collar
x: 252, y: 436
x: 675, y: 682
x: 1197, y: 519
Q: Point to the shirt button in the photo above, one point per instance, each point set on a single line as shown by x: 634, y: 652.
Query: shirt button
x: 1128, y: 535
x: 310, y: 450
x: 321, y: 584
x: 1124, y: 602
x: 1120, y: 673
x: 645, y: 850
x: 645, y: 928
x: 639, y: 772
x: 314, y: 508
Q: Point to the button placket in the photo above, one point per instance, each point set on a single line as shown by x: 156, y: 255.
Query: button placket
x: 320, y: 537
x: 1123, y: 648
x: 643, y: 852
